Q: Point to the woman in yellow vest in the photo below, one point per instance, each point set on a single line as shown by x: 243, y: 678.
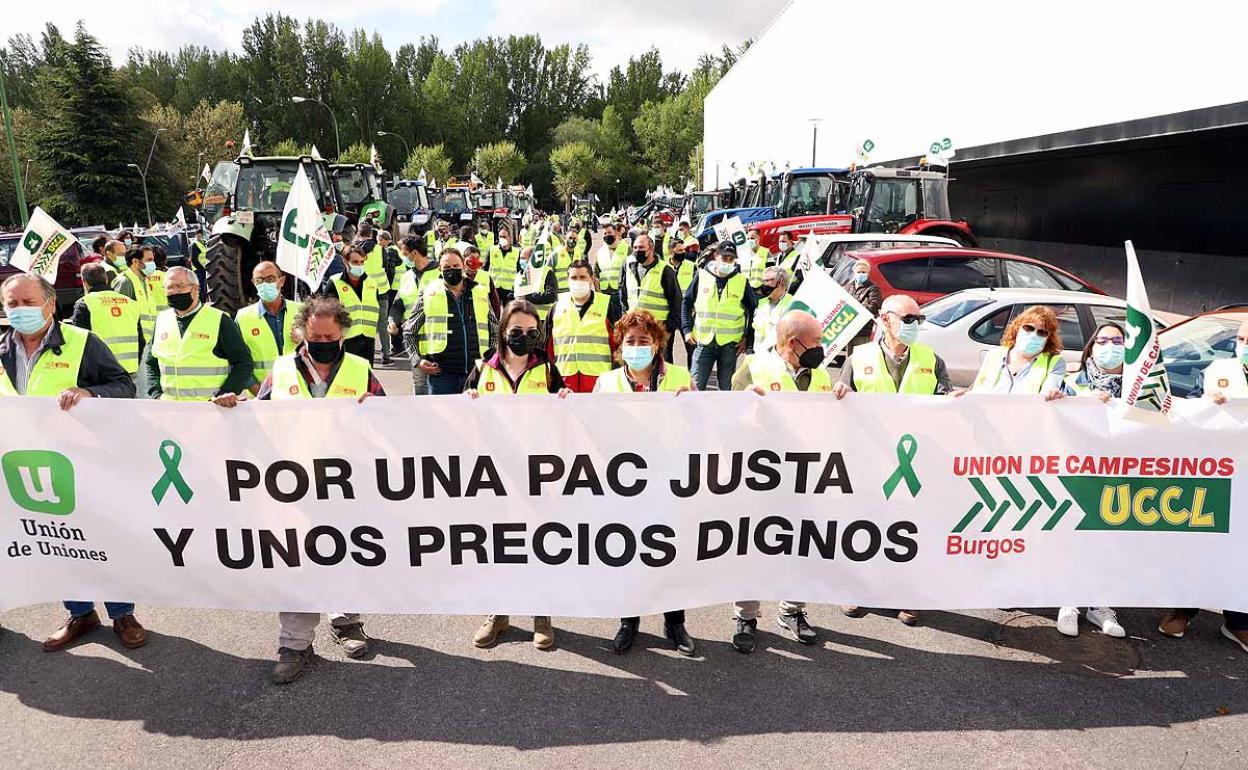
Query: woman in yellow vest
x: 519, y: 367
x: 1029, y: 361
x: 1099, y: 375
x: 642, y: 340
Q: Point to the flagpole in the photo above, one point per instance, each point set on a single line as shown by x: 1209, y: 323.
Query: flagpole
x: 8, y: 131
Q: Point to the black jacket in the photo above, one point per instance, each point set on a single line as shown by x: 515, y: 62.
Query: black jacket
x: 100, y: 373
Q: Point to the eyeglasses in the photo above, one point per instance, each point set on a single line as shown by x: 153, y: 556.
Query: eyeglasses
x: 1037, y: 330
x: 910, y: 318
x: 265, y: 279
x: 1116, y: 340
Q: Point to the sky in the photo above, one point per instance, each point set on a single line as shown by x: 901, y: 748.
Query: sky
x: 614, y: 31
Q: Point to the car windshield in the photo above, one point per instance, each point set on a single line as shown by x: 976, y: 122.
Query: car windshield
x: 7, y: 247
x: 265, y: 186
x: 172, y: 244
x: 894, y: 203
x: 807, y: 195
x: 775, y: 191
x: 447, y: 202
x: 409, y: 198
x: 1188, y: 348
x: 488, y: 200
x: 952, y: 308
x: 356, y: 186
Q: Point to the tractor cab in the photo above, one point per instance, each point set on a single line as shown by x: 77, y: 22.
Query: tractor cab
x: 702, y: 202
x: 410, y: 200
x: 806, y: 196
x: 363, y: 195
x: 491, y: 210
x: 452, y: 205
x: 906, y: 201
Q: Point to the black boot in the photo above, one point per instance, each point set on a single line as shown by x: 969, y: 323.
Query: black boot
x: 678, y: 636
x: 743, y: 639
x: 623, y: 641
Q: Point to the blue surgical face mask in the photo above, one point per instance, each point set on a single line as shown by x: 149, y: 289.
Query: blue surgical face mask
x: 860, y: 278
x: 907, y: 333
x: 637, y: 357
x: 1029, y: 343
x: 1109, y: 355
x: 26, y: 320
x: 408, y: 263
x: 268, y: 291
x: 149, y: 268
x: 357, y: 270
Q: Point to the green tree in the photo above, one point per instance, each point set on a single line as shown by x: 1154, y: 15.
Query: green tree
x: 290, y: 147
x: 577, y: 129
x: 576, y: 169
x: 84, y: 136
x: 356, y: 153
x: 697, y: 163
x: 499, y: 160
x: 432, y: 158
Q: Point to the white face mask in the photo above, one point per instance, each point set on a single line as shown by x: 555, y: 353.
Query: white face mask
x: 753, y: 243
x: 579, y: 289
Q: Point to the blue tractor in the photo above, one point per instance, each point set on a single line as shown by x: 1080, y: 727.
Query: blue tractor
x: 800, y: 192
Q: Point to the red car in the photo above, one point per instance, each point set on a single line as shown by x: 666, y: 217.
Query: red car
x: 932, y: 272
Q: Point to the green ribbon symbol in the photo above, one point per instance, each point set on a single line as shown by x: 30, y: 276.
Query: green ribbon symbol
x: 906, y: 449
x: 171, y: 458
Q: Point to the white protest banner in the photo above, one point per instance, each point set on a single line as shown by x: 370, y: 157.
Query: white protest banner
x: 863, y: 152
x: 44, y: 241
x: 941, y: 151
x: 732, y: 231
x: 617, y: 505
x: 304, y: 247
x: 246, y: 143
x: 840, y: 315
x: 206, y: 174
x: 1144, y: 380
x: 812, y: 249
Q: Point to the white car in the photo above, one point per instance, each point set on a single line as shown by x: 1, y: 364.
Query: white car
x: 964, y: 326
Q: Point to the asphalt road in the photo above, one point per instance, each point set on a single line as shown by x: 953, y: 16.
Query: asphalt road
x: 965, y: 689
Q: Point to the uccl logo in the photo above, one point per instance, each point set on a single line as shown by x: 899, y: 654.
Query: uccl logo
x: 40, y: 481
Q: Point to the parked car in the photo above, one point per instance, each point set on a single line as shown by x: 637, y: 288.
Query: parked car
x: 965, y: 326
x: 930, y: 273
x: 68, y: 285
x: 840, y: 243
x: 1191, y: 345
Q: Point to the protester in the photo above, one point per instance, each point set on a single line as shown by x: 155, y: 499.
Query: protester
x: 268, y: 325
x: 156, y: 280
x: 131, y: 282
x: 474, y: 273
x: 759, y: 258
x: 1029, y: 361
x: 358, y: 294
x: 501, y: 262
x: 611, y: 255
x: 451, y: 327
x: 519, y: 366
x: 773, y: 302
x: 41, y: 357
x: 385, y: 293
x: 418, y: 271
x: 868, y: 295
x: 650, y: 284
x: 717, y: 311
x: 318, y: 368
x: 788, y: 255
x: 198, y: 353
x: 643, y: 370
x: 113, y: 317
x: 540, y: 278
x: 580, y: 330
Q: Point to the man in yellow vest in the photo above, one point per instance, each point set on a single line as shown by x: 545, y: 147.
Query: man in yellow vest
x: 896, y: 363
x: 113, y: 317
x: 794, y: 365
x: 359, y: 296
x: 451, y: 327
x: 716, y: 315
x: 580, y: 330
x: 318, y: 368
x: 536, y: 281
x: 156, y: 281
x: 373, y: 246
x: 40, y: 357
x: 761, y: 258
x: 773, y: 302
x: 268, y: 325
x: 197, y: 353
x: 418, y: 271
x: 501, y: 262
x: 483, y: 239
x: 132, y: 283
x: 611, y: 255
x: 651, y: 284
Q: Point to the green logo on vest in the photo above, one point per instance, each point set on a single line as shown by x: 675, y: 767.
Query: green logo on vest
x: 40, y: 481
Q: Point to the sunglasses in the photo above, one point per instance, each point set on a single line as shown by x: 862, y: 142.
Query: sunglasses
x: 1116, y: 340
x: 1037, y: 330
x: 910, y: 318
x: 517, y: 334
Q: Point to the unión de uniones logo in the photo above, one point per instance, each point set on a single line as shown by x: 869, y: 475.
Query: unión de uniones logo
x: 40, y: 481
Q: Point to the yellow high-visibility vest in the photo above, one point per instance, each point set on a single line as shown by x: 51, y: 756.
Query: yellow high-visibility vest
x: 719, y: 317
x: 350, y: 381
x: 684, y: 274
x: 413, y: 283
x: 437, y: 327
x: 495, y: 383
x: 990, y: 373
x: 766, y: 319
x: 503, y: 266
x: 582, y: 343
x: 375, y: 269
x: 609, y: 262
x: 365, y: 310
x: 189, y: 370
x: 259, y: 336
x: 115, y: 319
x: 147, y: 309
x: 871, y: 371
x: 648, y: 294
x: 768, y: 371
x: 52, y: 372
x: 673, y: 378
x: 156, y: 290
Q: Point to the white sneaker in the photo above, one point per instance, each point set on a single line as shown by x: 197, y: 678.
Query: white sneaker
x: 1107, y: 620
x: 1068, y: 621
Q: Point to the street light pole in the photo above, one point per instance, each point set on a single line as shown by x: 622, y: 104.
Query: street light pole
x: 147, y: 166
x: 337, y: 141
x: 146, y: 203
x: 617, y: 193
x: 8, y: 131
x: 814, y: 139
x: 26, y: 175
x: 406, y: 150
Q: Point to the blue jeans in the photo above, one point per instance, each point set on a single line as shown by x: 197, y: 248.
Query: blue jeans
x: 722, y: 357
x: 115, y: 609
x: 445, y: 384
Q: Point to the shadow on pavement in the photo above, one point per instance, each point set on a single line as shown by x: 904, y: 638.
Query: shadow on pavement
x: 850, y: 683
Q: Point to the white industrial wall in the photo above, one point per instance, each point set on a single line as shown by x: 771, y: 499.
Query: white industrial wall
x: 904, y: 73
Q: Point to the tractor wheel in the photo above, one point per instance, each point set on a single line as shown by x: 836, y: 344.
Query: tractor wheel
x: 227, y: 268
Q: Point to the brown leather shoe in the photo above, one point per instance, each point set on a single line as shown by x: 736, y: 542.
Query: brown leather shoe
x: 72, y: 631
x: 909, y: 617
x: 1175, y: 624
x: 853, y: 611
x: 128, y: 630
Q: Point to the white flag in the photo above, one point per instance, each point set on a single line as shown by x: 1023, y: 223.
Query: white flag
x: 1144, y: 380
x: 421, y: 176
x: 316, y: 155
x: 732, y: 231
x: 246, y: 142
x: 433, y: 183
x: 812, y: 249
x: 180, y: 218
x: 373, y: 157
x: 473, y: 179
x: 840, y: 315
x: 529, y: 191
x: 304, y: 247
x: 498, y: 184
x: 44, y: 241
x: 206, y: 174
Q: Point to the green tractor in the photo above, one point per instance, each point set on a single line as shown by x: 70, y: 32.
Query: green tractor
x: 363, y: 196
x: 245, y: 232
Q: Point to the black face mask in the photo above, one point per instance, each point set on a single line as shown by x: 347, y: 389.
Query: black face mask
x: 641, y: 256
x: 325, y: 352
x: 452, y: 276
x: 181, y: 302
x: 811, y: 358
x: 608, y: 239
x: 522, y: 343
